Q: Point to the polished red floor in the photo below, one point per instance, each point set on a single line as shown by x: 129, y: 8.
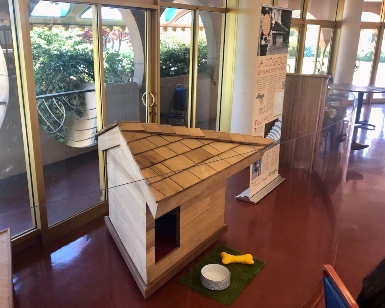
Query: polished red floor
x: 294, y: 230
x: 361, y: 232
x: 290, y: 230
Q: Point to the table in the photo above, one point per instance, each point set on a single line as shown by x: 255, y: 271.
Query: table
x: 361, y: 90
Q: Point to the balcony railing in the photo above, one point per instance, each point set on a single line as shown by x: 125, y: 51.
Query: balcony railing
x: 67, y: 121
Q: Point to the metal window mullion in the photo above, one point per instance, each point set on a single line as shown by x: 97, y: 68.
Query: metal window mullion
x: 192, y: 7
x: 304, y: 8
x: 99, y: 90
x: 302, y: 39
x: 220, y: 79
x: 382, y: 12
x: 28, y: 111
x: 336, y: 36
x: 194, y: 69
x: 301, y: 48
x: 228, y: 66
x: 316, y: 50
x: 153, y: 66
x: 376, y: 55
x: 116, y: 3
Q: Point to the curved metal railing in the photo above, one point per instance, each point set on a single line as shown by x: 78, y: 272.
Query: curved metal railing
x: 59, y: 117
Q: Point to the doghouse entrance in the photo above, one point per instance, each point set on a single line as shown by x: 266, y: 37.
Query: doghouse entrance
x: 166, y: 233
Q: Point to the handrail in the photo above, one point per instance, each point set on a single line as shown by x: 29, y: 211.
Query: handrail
x: 59, y: 99
x: 64, y: 93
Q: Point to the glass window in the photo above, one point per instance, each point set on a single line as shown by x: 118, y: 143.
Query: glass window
x: 51, y: 9
x: 364, y: 60
x: 124, y: 51
x: 293, y: 50
x: 317, y: 49
x: 324, y: 43
x: 209, y: 51
x: 380, y: 80
x: 15, y: 206
x: 66, y: 103
x: 309, y: 55
x: 175, y: 44
x: 322, y: 10
x: 295, y: 5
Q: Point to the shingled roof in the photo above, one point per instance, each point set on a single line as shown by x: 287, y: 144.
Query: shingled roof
x: 173, y: 159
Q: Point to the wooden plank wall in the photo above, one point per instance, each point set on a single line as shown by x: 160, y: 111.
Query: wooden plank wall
x: 200, y: 217
x: 6, y: 285
x: 302, y: 119
x: 128, y: 161
x: 127, y: 209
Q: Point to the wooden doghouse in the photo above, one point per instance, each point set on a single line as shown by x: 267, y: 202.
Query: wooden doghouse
x: 166, y: 179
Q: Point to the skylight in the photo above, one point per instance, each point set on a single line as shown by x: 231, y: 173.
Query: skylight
x: 51, y: 9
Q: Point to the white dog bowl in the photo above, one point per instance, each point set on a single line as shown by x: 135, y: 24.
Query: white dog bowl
x: 215, y: 277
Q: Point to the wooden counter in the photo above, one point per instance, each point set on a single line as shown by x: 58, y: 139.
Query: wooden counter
x: 302, y: 119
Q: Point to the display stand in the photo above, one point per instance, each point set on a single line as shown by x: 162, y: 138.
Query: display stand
x: 268, y: 99
x: 245, y: 196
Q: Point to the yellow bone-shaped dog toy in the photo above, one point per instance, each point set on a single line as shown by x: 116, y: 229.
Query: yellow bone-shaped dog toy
x: 245, y: 259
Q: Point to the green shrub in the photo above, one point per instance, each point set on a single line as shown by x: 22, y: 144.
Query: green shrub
x: 63, y: 61
x: 175, y: 56
x: 118, y: 66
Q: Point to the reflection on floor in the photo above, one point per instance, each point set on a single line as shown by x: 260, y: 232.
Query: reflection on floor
x: 72, y: 185
x: 293, y: 230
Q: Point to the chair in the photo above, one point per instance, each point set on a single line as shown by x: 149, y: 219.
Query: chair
x: 336, y: 294
x: 178, y: 106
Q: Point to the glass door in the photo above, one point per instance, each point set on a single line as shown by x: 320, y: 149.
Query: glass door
x: 176, y: 34
x: 364, y: 59
x: 63, y: 58
x: 190, y: 50
x: 209, y: 49
x: 63, y: 62
x: 125, y: 64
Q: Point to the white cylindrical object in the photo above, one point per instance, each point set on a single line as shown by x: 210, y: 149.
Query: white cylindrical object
x: 350, y: 36
x: 4, y: 86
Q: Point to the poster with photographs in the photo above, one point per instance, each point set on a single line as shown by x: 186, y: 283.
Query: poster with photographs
x: 274, y: 31
x: 269, y: 91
